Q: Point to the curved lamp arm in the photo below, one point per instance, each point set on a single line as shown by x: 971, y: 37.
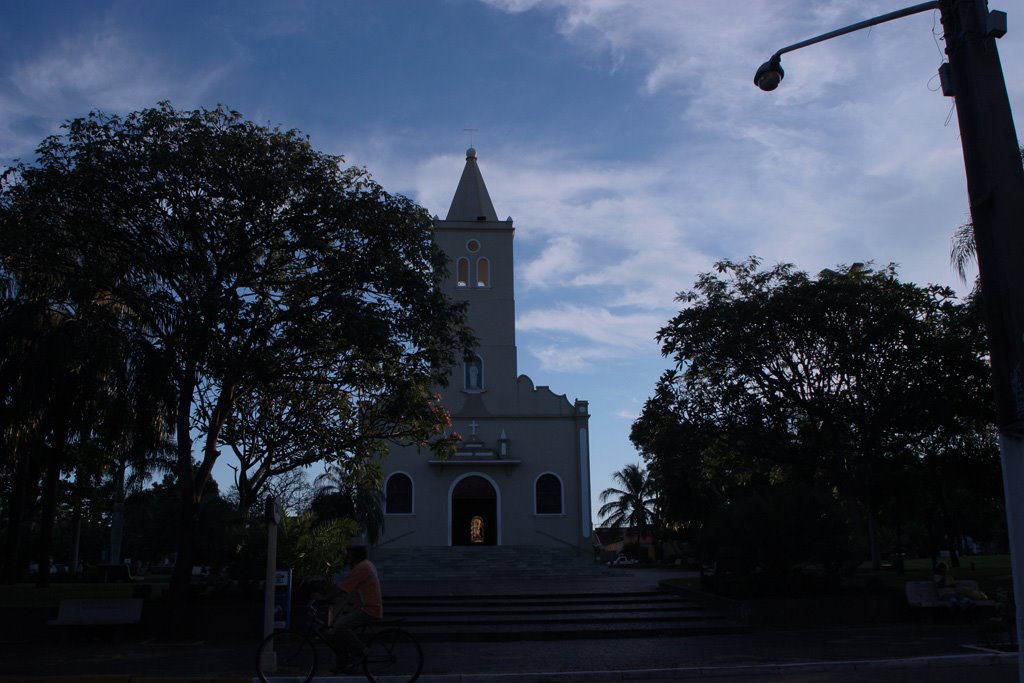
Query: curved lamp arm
x: 770, y: 74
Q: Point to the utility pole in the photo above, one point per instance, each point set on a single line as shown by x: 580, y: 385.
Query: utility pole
x: 272, y: 516
x: 995, y: 187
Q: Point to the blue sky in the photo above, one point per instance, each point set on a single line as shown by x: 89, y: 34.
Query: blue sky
x: 625, y: 138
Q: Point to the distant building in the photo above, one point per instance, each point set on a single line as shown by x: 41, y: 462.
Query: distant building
x: 521, y: 475
x: 611, y: 542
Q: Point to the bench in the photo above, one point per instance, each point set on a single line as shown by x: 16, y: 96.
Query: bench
x: 100, y: 612
x: 925, y: 594
x: 113, y: 573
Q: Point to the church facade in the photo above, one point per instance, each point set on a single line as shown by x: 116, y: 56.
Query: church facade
x: 521, y: 474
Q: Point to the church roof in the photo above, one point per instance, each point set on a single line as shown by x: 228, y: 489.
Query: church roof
x: 471, y: 201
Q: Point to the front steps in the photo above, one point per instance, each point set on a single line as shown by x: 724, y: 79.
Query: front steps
x: 482, y: 563
x: 480, y: 618
x: 506, y: 593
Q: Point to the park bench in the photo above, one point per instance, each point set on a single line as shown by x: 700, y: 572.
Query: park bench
x: 106, y: 613
x: 113, y: 573
x: 925, y: 594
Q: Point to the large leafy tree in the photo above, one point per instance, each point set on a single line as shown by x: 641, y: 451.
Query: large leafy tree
x: 65, y: 375
x: 248, y: 261
x: 836, y: 381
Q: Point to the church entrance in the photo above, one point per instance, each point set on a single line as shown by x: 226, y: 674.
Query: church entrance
x: 474, y: 512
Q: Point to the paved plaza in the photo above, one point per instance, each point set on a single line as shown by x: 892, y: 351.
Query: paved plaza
x: 905, y: 651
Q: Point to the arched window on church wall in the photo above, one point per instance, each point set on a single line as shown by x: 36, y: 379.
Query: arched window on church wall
x: 398, y: 494
x: 462, y: 273
x: 548, y: 495
x: 483, y: 272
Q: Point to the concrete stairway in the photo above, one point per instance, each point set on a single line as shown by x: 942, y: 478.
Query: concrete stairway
x: 482, y: 563
x: 456, y: 594
x: 555, y: 617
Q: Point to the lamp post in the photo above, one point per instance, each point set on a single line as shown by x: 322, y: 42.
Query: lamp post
x: 973, y: 76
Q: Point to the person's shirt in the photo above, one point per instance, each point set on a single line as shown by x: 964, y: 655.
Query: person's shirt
x: 363, y: 582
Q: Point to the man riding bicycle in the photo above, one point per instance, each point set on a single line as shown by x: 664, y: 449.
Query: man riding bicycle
x: 358, y: 598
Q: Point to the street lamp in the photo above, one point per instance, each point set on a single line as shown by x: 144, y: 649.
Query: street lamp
x: 973, y: 76
x: 770, y: 74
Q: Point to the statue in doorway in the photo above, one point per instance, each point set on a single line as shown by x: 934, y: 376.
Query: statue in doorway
x: 476, y: 529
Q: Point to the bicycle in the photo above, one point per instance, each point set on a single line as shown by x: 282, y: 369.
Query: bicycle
x: 393, y: 655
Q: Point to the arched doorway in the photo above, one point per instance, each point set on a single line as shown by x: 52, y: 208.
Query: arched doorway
x: 474, y: 512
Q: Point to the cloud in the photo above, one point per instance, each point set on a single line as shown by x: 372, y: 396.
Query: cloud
x: 850, y: 160
x: 619, y: 333
x: 98, y: 68
x: 569, y: 359
x: 559, y: 263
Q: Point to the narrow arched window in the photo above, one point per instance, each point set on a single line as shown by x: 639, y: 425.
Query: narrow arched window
x: 548, y: 495
x: 462, y: 273
x: 398, y: 495
x: 483, y: 272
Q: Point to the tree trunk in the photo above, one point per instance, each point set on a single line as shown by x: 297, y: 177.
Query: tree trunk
x: 117, y: 516
x: 873, y: 543
x: 17, y: 520
x: 76, y: 540
x: 186, y: 486
x: 49, y: 511
x: 187, y: 499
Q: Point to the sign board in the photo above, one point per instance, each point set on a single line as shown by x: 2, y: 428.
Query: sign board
x: 282, y: 598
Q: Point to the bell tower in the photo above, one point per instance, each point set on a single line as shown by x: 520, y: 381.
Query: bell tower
x: 479, y: 247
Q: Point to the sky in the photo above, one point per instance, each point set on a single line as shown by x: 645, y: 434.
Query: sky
x: 625, y: 138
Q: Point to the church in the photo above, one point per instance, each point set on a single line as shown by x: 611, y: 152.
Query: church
x: 521, y: 474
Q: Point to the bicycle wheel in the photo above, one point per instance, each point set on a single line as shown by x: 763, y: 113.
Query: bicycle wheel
x: 393, y: 656
x: 286, y: 655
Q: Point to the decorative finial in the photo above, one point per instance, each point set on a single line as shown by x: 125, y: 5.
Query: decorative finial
x: 471, y: 152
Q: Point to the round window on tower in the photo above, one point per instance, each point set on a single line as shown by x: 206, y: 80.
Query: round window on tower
x: 473, y: 246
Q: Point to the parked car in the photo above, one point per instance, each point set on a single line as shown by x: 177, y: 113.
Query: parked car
x: 622, y: 561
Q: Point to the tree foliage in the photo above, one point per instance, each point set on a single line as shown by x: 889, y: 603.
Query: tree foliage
x: 291, y: 305
x: 633, y: 503
x: 851, y: 382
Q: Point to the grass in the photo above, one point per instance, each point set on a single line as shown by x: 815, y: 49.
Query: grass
x: 992, y: 572
x: 29, y: 595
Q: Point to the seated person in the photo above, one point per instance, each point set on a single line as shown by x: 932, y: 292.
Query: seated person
x: 946, y: 586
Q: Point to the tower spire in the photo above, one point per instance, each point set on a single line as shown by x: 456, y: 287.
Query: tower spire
x: 471, y: 201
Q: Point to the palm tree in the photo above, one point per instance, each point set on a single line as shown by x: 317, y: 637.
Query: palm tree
x: 964, y: 250
x: 354, y: 489
x: 634, y: 505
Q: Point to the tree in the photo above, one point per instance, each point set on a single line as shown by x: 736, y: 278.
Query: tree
x: 634, y: 505
x: 63, y: 406
x: 832, y: 381
x: 353, y: 491
x: 695, y: 464
x: 248, y: 260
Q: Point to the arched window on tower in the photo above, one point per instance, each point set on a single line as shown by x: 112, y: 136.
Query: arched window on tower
x: 398, y: 494
x: 483, y: 272
x: 548, y: 495
x: 462, y: 273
